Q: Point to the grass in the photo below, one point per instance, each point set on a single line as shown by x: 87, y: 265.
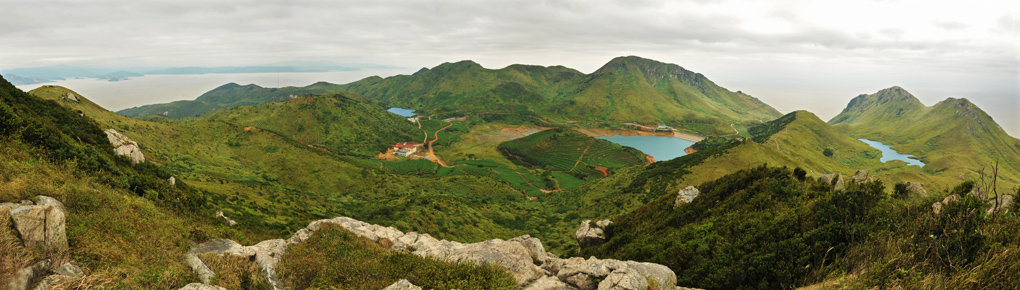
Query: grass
x: 566, y: 150
x: 336, y: 258
x: 235, y: 272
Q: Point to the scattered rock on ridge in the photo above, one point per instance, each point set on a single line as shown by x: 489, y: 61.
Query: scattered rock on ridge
x: 123, y: 146
x: 521, y: 256
x: 25, y: 277
x: 937, y: 206
x: 916, y: 189
x: 861, y: 176
x: 1003, y: 202
x: 41, y: 224
x: 403, y: 284
x: 685, y: 196
x: 219, y: 214
x: 591, y: 233
x: 172, y: 180
x: 200, y: 286
x: 72, y: 97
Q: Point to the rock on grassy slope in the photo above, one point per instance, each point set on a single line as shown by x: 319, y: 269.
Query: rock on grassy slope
x: 954, y: 137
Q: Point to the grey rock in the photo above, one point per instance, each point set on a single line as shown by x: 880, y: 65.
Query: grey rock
x: 49, y: 282
x: 977, y: 191
x: 510, y: 255
x: 69, y: 270
x: 229, y: 221
x: 591, y: 234
x: 24, y: 278
x: 31, y: 224
x: 581, y: 281
x: 685, y: 196
x: 1004, y: 202
x: 550, y: 283
x: 122, y: 145
x: 403, y: 284
x: 661, y: 275
x: 916, y: 189
x: 861, y: 176
x: 534, y: 247
x: 839, y: 185
x: 72, y: 97
x: 937, y: 206
x: 624, y: 279
x: 201, y: 286
x: 172, y: 180
x: 201, y: 270
x: 827, y: 178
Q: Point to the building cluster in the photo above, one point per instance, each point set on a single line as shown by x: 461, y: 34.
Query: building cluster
x: 406, y: 148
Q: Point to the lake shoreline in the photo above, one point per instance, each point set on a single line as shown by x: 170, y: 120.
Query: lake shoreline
x: 610, y: 133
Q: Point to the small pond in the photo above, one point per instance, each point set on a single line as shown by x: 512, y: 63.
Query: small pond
x: 889, y: 154
x: 401, y: 111
x: 660, y: 147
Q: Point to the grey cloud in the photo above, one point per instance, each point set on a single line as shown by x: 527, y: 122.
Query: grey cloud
x: 951, y: 25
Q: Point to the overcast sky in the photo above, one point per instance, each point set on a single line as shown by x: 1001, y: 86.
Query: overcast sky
x: 812, y: 55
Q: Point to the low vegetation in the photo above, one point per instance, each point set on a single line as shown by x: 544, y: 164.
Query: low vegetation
x: 336, y: 258
x: 566, y: 150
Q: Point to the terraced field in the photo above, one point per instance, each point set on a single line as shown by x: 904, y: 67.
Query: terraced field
x: 566, y: 150
x: 415, y: 167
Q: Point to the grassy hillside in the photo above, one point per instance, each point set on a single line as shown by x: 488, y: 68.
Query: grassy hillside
x: 566, y: 150
x: 771, y: 228
x: 227, y: 96
x: 336, y: 122
x: 271, y: 183
x: 954, y: 138
x: 50, y: 150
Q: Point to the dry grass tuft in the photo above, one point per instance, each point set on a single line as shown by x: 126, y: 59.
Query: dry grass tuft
x: 234, y: 272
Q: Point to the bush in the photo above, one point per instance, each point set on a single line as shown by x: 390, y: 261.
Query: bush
x: 828, y: 152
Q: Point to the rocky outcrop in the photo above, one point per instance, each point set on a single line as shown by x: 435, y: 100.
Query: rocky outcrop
x: 71, y: 97
x: 229, y: 221
x: 937, y: 206
x: 172, y: 180
x: 123, y: 146
x: 685, y: 196
x: 523, y: 257
x: 26, y: 277
x: 834, y: 179
x: 201, y: 286
x: 40, y: 224
x: 999, y: 204
x: 916, y: 189
x: 861, y: 176
x: 591, y: 233
x: 994, y: 205
x: 403, y: 284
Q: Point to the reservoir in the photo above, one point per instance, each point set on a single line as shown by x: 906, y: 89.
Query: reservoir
x: 662, y: 148
x: 889, y: 154
x: 402, y: 112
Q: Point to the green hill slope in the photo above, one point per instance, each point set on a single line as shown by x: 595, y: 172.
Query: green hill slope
x: 954, y: 138
x: 643, y: 90
x: 336, y: 122
x: 566, y: 150
x: 627, y: 89
x: 225, y: 97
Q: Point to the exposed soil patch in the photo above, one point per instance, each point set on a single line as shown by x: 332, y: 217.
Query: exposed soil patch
x: 690, y: 150
x: 649, y: 159
x: 605, y: 171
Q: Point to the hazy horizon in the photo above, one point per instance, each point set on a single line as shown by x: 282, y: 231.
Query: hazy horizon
x: 791, y: 54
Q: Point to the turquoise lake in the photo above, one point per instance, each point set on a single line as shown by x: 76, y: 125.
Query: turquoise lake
x: 402, y: 112
x: 888, y: 154
x: 660, y: 147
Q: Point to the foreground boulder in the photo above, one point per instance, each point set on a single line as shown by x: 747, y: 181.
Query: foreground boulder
x: 685, y: 196
x: 834, y: 179
x: 861, y: 176
x: 591, y: 234
x: 123, y: 146
x: 403, y: 284
x: 524, y: 257
x: 40, y: 224
x: 916, y: 189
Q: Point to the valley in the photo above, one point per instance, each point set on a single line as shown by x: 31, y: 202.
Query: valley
x: 786, y: 200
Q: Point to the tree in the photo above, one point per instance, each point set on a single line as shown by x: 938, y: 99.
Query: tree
x: 828, y: 152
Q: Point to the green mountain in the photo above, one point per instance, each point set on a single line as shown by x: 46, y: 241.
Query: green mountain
x: 627, y: 89
x: 337, y: 122
x: 225, y: 97
x: 954, y: 138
